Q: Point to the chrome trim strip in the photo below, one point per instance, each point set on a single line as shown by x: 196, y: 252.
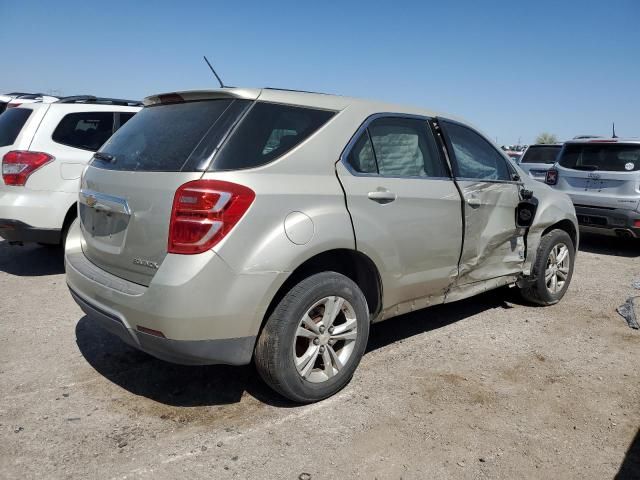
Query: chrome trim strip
x: 104, y: 202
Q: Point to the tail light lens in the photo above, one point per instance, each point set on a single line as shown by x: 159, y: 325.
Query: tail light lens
x: 17, y: 165
x: 204, y: 212
x: 551, y: 177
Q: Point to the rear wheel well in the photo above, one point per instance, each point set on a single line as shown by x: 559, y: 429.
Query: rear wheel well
x: 71, y: 215
x: 568, y: 227
x: 350, y: 263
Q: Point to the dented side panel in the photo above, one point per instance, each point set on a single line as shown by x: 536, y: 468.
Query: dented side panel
x: 493, y: 244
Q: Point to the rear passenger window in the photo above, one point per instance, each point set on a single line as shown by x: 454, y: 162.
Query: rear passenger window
x: 11, y: 122
x: 267, y: 132
x: 86, y: 130
x: 361, y: 156
x: 475, y: 157
x: 405, y: 147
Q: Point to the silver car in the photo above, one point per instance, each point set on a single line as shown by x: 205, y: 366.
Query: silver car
x: 602, y: 177
x: 236, y: 224
x: 538, y: 159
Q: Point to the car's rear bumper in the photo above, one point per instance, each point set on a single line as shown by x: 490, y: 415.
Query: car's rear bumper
x: 17, y: 231
x: 232, y: 351
x: 617, y: 219
x: 208, y: 315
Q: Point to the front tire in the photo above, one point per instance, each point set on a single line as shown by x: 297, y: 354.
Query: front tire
x: 552, y: 270
x: 313, y: 341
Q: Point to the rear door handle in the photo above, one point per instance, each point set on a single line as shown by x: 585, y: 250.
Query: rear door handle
x: 382, y: 196
x: 474, y: 201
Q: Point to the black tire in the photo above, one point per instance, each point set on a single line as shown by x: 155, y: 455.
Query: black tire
x: 536, y: 291
x: 274, y: 352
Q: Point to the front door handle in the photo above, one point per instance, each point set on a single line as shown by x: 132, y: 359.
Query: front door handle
x: 382, y: 196
x: 474, y: 201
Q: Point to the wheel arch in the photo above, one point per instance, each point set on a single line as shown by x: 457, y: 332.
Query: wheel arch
x: 351, y: 263
x: 566, y: 225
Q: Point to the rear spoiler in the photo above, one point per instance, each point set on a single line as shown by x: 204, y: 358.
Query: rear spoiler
x: 195, y: 95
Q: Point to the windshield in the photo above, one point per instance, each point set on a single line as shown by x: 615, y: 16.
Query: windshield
x: 546, y: 154
x: 613, y: 157
x: 170, y: 137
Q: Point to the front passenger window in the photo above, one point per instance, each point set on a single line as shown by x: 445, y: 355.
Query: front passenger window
x: 475, y: 158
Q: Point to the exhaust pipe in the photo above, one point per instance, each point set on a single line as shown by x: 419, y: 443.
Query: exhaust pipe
x: 625, y: 233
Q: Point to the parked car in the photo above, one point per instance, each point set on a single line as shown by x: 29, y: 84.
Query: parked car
x: 44, y: 147
x: 236, y: 224
x: 602, y: 177
x: 539, y: 158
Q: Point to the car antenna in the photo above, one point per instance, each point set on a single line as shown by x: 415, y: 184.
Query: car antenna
x: 614, y: 131
x: 214, y: 72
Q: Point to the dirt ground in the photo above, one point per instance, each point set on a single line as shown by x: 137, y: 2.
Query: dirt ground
x: 483, y: 388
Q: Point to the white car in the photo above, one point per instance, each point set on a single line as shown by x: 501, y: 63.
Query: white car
x: 44, y: 148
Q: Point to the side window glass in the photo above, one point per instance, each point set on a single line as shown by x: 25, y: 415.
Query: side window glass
x: 361, y: 157
x: 474, y: 156
x: 405, y: 147
x: 267, y: 132
x: 124, y: 118
x: 86, y: 130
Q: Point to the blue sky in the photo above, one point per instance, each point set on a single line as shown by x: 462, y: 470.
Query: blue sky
x: 514, y: 69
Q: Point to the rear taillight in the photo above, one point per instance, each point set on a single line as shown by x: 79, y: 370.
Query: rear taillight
x: 13, y: 105
x: 17, y: 165
x: 204, y: 211
x: 551, y: 177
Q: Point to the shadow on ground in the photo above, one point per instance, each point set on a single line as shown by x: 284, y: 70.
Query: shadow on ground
x: 630, y: 468
x: 608, y: 245
x: 187, y: 386
x: 31, y: 260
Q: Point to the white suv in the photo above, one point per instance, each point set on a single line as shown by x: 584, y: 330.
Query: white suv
x: 44, y: 148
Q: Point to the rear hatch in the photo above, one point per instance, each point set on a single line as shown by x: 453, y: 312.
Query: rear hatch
x: 601, y: 173
x: 128, y: 189
x: 538, y: 159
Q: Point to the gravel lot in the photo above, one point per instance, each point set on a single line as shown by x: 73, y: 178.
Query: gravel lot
x: 484, y: 388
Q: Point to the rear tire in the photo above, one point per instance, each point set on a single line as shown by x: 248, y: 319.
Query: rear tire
x: 313, y: 341
x: 552, y: 270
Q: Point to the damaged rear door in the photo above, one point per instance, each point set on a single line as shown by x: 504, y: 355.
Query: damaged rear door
x: 493, y: 244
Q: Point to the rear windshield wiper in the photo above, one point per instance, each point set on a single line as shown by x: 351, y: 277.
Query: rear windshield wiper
x: 105, y: 157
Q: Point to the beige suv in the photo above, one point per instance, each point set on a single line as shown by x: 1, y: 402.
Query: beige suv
x: 236, y: 224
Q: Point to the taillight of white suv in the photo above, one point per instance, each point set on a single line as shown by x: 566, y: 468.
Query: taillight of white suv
x: 204, y: 212
x: 18, y: 165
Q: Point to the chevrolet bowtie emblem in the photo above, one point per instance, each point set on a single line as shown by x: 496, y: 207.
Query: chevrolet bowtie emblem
x: 91, y: 201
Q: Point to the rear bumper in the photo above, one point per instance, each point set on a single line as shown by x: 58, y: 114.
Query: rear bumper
x: 206, y: 315
x: 232, y: 351
x: 37, y: 209
x: 608, y: 219
x: 17, y: 231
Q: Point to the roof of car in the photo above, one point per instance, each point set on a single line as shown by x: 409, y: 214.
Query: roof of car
x: 295, y: 97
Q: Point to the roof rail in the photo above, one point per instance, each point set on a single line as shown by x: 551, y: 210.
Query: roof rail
x: 100, y: 100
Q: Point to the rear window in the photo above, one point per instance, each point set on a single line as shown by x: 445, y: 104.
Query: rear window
x: 170, y: 137
x: 11, y: 122
x: 541, y: 154
x: 268, y: 131
x: 85, y: 130
x: 613, y: 157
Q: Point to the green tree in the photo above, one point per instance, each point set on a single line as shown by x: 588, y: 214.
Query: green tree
x: 546, y: 137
